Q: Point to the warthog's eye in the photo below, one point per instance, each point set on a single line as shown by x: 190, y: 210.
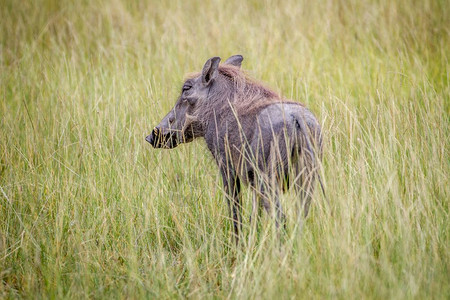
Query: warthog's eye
x: 186, y: 87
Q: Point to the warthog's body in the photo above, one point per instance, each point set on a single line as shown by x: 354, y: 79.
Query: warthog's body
x: 255, y: 136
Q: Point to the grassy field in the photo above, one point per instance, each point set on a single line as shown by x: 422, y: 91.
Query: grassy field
x: 89, y: 209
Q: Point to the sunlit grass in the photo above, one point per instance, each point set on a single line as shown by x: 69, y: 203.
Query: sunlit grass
x: 89, y: 209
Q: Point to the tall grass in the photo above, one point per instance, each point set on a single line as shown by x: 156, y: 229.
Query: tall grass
x: 88, y: 209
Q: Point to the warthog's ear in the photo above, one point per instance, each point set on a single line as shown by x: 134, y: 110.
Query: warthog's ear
x: 210, y: 70
x: 235, y: 60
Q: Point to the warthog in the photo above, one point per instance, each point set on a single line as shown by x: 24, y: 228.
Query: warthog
x: 256, y: 136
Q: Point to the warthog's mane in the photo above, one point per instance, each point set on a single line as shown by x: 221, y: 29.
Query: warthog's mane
x: 245, y: 93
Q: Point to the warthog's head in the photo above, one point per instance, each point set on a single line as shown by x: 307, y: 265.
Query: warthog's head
x: 182, y: 124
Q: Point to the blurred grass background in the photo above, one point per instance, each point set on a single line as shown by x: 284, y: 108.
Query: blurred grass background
x: 88, y: 209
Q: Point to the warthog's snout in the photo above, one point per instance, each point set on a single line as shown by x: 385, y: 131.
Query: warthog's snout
x: 152, y: 137
x: 158, y: 139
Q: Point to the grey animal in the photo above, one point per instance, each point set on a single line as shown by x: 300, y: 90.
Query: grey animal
x: 255, y: 136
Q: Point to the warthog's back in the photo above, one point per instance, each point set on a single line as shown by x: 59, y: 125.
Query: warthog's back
x: 287, y: 115
x: 281, y: 133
